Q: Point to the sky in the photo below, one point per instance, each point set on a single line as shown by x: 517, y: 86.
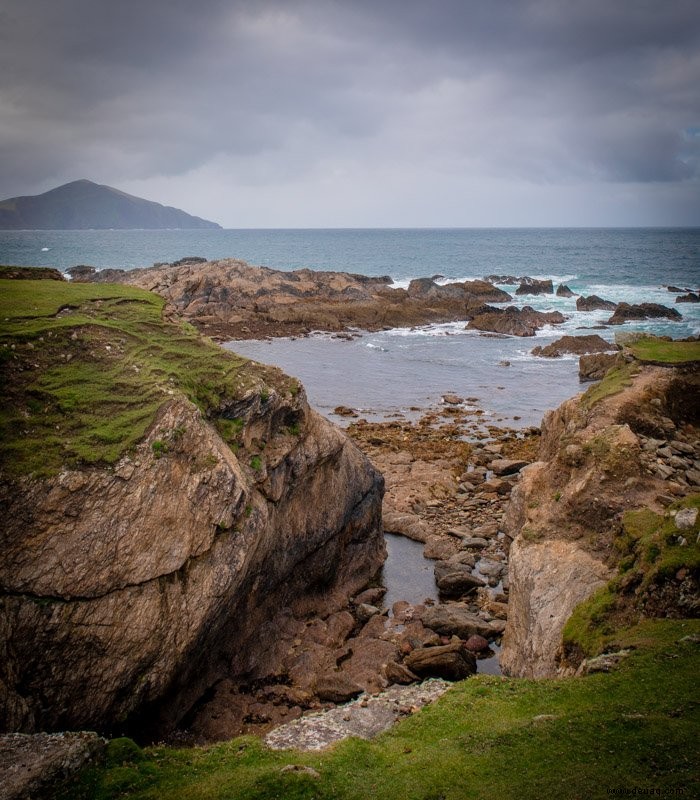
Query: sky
x: 361, y: 113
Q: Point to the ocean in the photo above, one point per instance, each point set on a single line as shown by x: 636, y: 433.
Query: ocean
x: 391, y: 372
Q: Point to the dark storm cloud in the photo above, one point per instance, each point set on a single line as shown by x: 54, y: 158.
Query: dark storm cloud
x: 535, y: 90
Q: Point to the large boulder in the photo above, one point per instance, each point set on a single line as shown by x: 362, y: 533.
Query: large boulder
x: 451, y: 662
x: 574, y: 345
x: 455, y: 619
x: 626, y: 312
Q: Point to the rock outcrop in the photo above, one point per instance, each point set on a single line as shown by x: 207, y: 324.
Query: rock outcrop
x: 594, y: 303
x: 596, y: 462
x: 534, y: 286
x: 127, y: 589
x: 626, y: 312
x: 576, y: 345
x: 514, y: 321
x: 231, y: 299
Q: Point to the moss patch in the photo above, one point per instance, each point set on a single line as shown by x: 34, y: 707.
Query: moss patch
x: 84, y: 369
x: 613, y: 383
x: 653, y: 554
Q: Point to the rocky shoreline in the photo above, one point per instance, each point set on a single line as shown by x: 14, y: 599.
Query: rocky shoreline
x: 230, y: 299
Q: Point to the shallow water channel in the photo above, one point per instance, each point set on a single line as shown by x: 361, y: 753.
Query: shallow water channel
x: 409, y: 575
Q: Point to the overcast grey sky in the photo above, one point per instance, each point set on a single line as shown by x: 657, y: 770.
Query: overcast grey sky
x: 322, y: 113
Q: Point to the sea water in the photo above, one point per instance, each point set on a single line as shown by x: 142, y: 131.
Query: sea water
x: 387, y: 373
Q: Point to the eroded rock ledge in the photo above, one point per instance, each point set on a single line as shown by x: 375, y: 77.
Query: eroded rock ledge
x: 631, y: 445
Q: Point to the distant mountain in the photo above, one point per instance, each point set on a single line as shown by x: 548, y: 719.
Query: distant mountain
x: 83, y: 204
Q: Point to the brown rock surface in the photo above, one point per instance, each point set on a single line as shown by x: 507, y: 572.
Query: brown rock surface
x: 594, y: 303
x: 515, y: 321
x: 593, y: 367
x: 127, y: 592
x: 596, y: 462
x: 230, y: 299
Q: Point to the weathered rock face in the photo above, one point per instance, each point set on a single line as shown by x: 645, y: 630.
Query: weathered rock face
x: 552, y: 578
x: 232, y: 299
x: 595, y: 464
x: 126, y: 592
x: 594, y: 366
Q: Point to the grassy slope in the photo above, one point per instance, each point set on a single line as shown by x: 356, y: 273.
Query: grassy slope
x: 662, y: 352
x: 84, y: 369
x: 489, y: 737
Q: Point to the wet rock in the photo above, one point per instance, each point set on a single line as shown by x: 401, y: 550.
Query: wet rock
x: 399, y: 673
x: 474, y: 543
x: 344, y: 411
x: 691, y: 297
x: 450, y: 662
x: 456, y: 580
x: 476, y: 644
x: 371, y: 596
x: 505, y: 466
x: 564, y: 291
x: 594, y: 303
x: 626, y: 312
x: 408, y: 525
x: 336, y: 687
x: 456, y: 619
x: 534, y: 286
x: 439, y: 548
x: 574, y: 345
x: 452, y: 399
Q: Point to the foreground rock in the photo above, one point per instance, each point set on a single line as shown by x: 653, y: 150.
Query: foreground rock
x: 364, y: 718
x: 515, y: 321
x: 626, y: 312
x: 576, y: 345
x: 32, y: 766
x: 233, y: 300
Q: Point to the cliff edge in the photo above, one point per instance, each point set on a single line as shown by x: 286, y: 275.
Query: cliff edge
x: 629, y: 445
x: 162, y: 501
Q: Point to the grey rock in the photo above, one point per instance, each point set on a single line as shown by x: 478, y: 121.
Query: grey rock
x: 456, y: 619
x: 686, y: 518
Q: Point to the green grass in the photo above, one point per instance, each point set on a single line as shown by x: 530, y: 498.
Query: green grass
x: 650, y: 555
x: 613, y: 383
x: 84, y: 369
x: 663, y: 352
x: 489, y: 737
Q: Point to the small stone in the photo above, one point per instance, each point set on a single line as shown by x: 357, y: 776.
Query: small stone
x: 300, y: 769
x: 685, y: 518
